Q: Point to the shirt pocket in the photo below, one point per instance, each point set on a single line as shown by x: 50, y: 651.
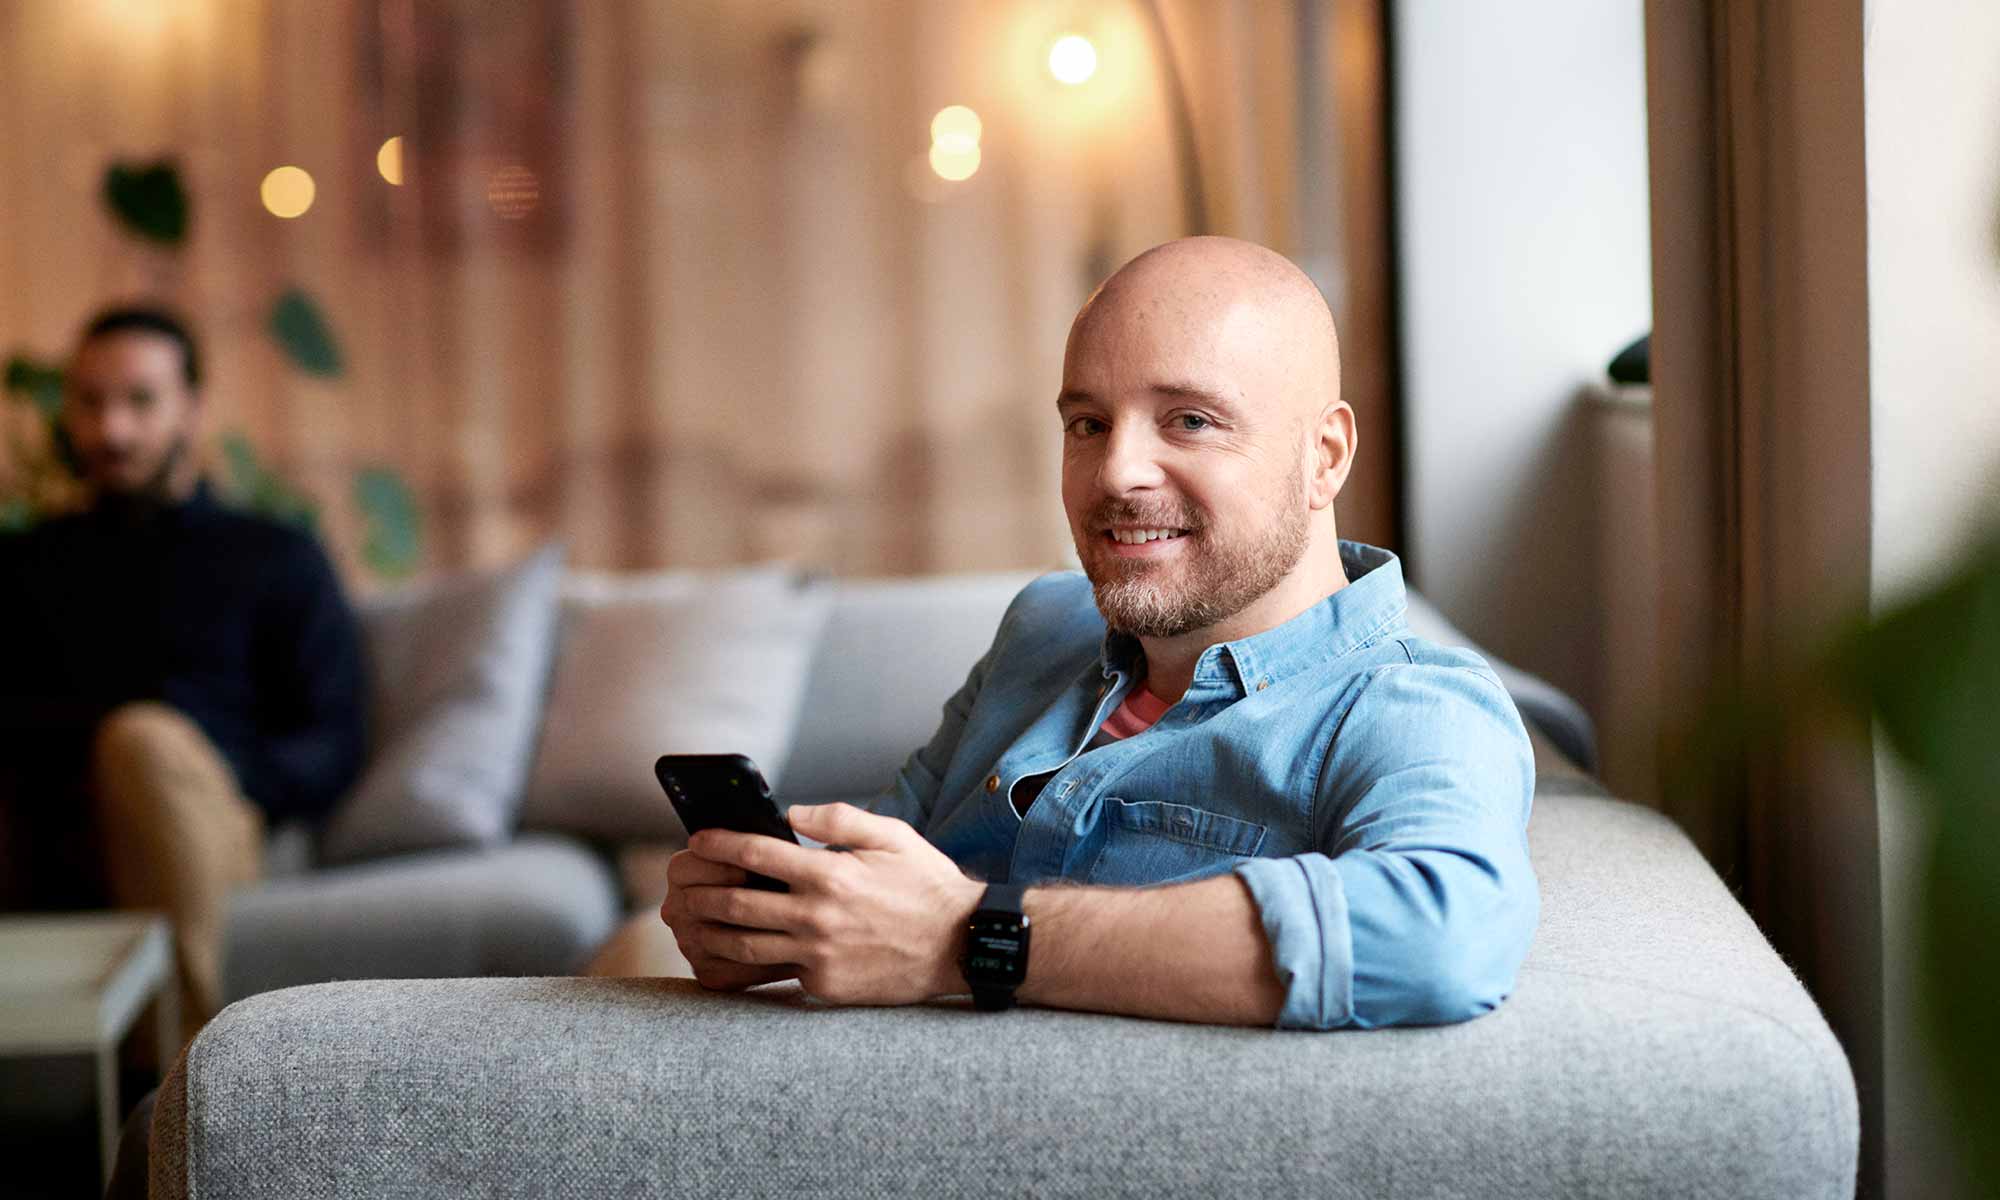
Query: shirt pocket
x: 1152, y: 841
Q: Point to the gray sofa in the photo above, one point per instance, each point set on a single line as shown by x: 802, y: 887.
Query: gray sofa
x: 542, y: 902
x: 1655, y: 1045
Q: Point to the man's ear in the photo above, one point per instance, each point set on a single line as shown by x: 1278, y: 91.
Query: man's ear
x: 1333, y: 444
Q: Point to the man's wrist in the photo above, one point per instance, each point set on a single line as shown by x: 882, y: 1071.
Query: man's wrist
x: 950, y: 979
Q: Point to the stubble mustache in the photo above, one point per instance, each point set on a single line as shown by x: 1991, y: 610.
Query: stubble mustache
x: 1123, y: 512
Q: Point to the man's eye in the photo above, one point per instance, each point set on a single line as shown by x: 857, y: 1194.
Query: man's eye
x: 1086, y: 427
x: 1192, y: 422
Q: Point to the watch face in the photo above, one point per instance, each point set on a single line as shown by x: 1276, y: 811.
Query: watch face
x: 996, y: 950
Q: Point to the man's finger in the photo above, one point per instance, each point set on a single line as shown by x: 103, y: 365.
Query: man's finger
x: 751, y: 947
x: 764, y: 855
x: 719, y: 976
x: 751, y: 908
x: 688, y: 869
x: 848, y: 826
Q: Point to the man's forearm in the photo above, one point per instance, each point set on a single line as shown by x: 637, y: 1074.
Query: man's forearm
x: 1189, y: 952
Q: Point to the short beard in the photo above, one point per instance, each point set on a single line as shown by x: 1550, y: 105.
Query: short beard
x: 1221, y: 581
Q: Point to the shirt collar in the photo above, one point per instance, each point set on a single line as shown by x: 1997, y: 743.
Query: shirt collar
x: 1372, y: 602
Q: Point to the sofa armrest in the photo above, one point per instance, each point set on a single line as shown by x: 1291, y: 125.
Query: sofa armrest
x: 588, y: 1087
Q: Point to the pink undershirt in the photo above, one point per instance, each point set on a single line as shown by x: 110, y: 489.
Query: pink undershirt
x: 1140, y: 710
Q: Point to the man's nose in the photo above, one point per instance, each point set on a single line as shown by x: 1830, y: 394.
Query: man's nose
x: 1131, y: 460
x: 115, y: 424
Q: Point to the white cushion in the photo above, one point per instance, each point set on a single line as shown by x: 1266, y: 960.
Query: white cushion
x: 668, y: 663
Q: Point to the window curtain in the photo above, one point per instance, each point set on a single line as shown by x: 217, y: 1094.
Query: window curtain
x: 1761, y: 403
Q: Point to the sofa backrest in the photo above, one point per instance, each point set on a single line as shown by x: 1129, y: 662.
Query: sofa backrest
x: 893, y: 651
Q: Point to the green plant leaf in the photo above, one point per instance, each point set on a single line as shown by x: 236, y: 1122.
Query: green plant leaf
x: 147, y: 198
x: 394, y: 539
x: 38, y: 383
x: 1959, y: 960
x: 1931, y: 670
x: 304, y: 335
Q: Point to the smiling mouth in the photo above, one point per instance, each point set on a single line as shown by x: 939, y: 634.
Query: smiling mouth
x: 1139, y: 537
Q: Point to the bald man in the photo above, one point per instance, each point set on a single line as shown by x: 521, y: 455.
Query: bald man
x: 1212, y: 778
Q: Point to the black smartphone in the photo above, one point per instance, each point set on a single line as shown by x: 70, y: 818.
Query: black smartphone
x: 724, y: 791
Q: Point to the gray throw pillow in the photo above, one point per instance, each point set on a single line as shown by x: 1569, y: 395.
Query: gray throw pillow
x: 681, y: 662
x: 459, y: 672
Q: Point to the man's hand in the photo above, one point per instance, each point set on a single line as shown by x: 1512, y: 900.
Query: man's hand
x: 687, y: 874
x: 879, y: 924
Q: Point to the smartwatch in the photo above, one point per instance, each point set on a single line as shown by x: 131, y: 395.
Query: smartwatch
x: 996, y: 947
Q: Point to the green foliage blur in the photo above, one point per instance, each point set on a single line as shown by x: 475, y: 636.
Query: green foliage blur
x: 303, y: 334
x: 148, y: 200
x: 1929, y: 671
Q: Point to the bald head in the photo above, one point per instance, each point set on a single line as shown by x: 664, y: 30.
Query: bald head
x: 1238, y: 312
x: 1204, y: 443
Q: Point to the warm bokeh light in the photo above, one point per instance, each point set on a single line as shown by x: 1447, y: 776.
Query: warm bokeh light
x: 287, y: 192
x: 389, y: 160
x: 956, y: 127
x: 953, y: 161
x: 134, y: 18
x: 1072, y: 59
x: 513, y: 192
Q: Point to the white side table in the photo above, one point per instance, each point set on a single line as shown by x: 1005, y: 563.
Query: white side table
x: 74, y: 983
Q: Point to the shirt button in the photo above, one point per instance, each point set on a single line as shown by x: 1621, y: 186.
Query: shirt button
x: 1262, y: 684
x: 992, y: 783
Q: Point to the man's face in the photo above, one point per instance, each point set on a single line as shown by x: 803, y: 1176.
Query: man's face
x: 130, y: 412
x: 1184, y: 476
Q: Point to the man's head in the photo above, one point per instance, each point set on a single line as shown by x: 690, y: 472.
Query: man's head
x: 1201, y: 413
x: 132, y: 405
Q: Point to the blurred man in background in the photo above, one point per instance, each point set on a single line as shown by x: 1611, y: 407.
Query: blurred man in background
x: 178, y: 673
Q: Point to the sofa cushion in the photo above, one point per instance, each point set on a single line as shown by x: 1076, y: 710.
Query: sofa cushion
x: 459, y: 669
x: 672, y: 663
x: 539, y: 905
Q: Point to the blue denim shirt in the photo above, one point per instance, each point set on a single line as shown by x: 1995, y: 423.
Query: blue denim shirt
x: 1369, y: 788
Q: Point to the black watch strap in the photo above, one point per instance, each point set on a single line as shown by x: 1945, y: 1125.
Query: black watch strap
x: 996, y: 947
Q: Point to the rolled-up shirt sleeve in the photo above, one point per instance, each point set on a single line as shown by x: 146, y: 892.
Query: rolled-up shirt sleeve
x: 1420, y: 903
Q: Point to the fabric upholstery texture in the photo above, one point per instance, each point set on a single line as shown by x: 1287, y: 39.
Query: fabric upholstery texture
x: 538, y: 905
x: 458, y: 673
x: 1655, y: 1046
x: 676, y: 663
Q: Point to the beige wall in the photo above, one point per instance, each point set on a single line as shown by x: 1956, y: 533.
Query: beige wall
x: 1933, y: 141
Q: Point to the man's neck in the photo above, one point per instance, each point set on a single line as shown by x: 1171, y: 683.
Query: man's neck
x: 132, y: 507
x: 1170, y: 662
